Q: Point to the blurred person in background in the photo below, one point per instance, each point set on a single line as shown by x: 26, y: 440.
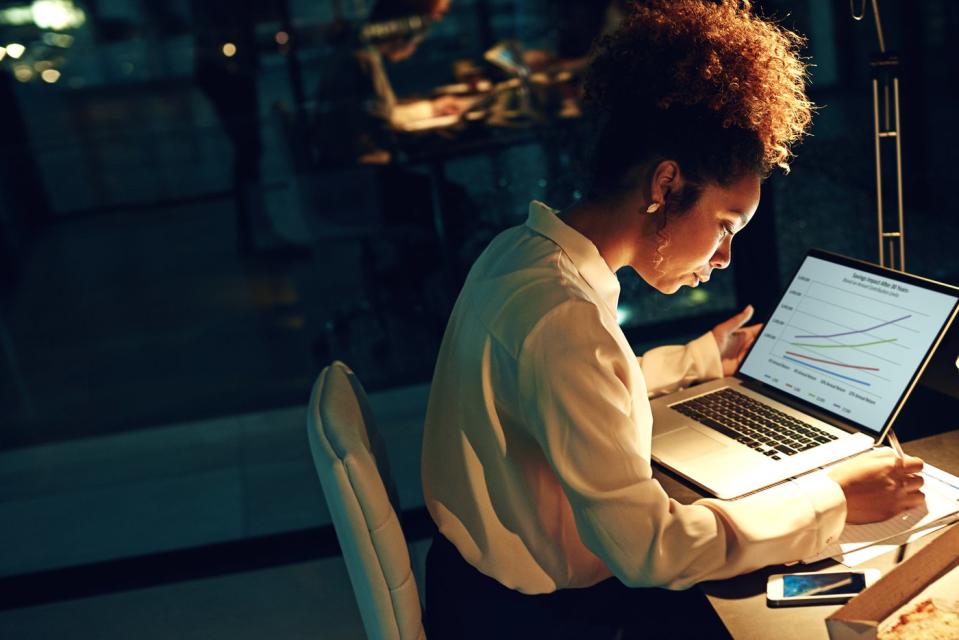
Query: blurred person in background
x: 357, y: 107
x: 354, y: 130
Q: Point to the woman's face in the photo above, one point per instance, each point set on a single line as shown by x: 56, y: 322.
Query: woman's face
x: 700, y: 239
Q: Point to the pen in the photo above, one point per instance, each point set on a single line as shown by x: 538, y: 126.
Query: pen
x: 894, y: 441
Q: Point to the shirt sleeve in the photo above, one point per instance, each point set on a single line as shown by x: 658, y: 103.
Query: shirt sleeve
x: 577, y: 393
x: 674, y: 367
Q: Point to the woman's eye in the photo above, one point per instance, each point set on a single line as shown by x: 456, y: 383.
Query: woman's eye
x: 725, y: 231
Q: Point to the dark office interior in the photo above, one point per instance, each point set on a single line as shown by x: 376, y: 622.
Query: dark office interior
x: 182, y: 251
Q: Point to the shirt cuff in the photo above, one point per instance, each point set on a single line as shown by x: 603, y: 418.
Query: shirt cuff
x: 828, y: 502
x: 705, y: 353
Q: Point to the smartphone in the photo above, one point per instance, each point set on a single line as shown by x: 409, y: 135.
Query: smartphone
x: 792, y: 589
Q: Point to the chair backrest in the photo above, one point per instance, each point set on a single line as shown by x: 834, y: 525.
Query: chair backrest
x: 352, y: 466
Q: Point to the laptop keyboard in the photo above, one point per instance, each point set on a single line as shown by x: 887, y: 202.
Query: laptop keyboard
x: 754, y: 424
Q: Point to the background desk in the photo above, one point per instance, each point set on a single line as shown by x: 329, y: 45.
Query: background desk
x: 741, y: 601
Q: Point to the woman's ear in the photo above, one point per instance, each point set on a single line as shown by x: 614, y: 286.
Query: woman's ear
x: 667, y: 178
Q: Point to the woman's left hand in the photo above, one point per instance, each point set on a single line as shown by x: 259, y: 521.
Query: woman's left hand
x: 734, y: 340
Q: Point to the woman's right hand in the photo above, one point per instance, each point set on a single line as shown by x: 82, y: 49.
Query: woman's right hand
x: 879, y: 484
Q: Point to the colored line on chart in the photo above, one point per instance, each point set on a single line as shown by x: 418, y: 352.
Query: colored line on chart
x: 833, y: 362
x: 847, y: 333
x: 832, y: 373
x: 834, y: 346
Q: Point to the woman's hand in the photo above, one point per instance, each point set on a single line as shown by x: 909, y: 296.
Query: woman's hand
x: 449, y: 105
x: 879, y: 484
x: 734, y: 340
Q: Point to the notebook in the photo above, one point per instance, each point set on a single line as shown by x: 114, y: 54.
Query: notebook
x: 824, y: 380
x: 941, y: 508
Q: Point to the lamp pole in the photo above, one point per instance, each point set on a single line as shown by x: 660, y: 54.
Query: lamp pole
x: 886, y: 129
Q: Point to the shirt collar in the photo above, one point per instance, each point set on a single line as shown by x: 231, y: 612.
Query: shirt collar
x: 583, y: 253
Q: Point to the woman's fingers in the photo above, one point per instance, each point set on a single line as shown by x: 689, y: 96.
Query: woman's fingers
x: 911, y: 464
x: 912, y: 483
x: 879, y: 484
x: 905, y: 465
x: 739, y: 319
x: 753, y: 329
x: 913, y: 499
x: 749, y: 335
x: 724, y: 329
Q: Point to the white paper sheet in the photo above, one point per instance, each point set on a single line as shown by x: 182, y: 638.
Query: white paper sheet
x: 857, y: 557
x: 942, y: 504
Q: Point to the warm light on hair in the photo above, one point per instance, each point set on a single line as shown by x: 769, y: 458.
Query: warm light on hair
x: 679, y: 74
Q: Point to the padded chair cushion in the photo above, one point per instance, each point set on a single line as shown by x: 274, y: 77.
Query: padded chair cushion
x: 349, y: 461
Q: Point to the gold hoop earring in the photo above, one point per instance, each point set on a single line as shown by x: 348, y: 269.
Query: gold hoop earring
x: 653, y: 208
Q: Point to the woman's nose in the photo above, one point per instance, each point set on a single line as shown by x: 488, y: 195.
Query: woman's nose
x: 723, y: 255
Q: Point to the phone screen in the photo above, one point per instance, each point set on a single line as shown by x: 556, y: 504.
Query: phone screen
x: 823, y: 584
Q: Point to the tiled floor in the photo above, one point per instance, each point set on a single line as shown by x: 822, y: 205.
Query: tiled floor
x: 182, y: 486
x: 137, y: 493
x: 310, y: 600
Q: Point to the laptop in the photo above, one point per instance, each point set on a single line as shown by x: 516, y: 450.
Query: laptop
x: 824, y: 380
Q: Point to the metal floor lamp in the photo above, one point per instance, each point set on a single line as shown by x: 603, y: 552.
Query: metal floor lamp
x: 886, y: 128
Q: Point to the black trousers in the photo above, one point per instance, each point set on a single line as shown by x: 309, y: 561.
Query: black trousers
x: 464, y: 604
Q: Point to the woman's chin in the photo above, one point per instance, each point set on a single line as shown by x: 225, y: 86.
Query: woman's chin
x: 673, y: 285
x: 670, y: 287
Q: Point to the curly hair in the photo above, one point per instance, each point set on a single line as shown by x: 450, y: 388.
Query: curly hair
x: 704, y: 82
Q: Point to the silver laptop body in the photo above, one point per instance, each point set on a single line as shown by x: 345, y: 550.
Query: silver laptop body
x: 833, y: 365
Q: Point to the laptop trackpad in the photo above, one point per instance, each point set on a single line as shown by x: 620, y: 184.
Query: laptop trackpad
x: 684, y: 444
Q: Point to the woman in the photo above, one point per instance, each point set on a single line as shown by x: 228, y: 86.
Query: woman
x: 536, y: 464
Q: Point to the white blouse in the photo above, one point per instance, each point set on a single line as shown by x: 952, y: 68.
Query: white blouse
x: 536, y: 452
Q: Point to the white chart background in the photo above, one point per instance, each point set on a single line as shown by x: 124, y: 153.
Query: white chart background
x: 847, y: 340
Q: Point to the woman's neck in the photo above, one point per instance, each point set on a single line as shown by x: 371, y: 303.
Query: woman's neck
x: 615, y: 228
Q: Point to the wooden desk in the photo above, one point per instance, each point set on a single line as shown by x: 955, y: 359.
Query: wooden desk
x: 741, y: 601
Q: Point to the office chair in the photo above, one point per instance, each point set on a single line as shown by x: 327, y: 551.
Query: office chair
x: 354, y: 473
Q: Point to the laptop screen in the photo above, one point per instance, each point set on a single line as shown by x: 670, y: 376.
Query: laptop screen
x: 850, y: 338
